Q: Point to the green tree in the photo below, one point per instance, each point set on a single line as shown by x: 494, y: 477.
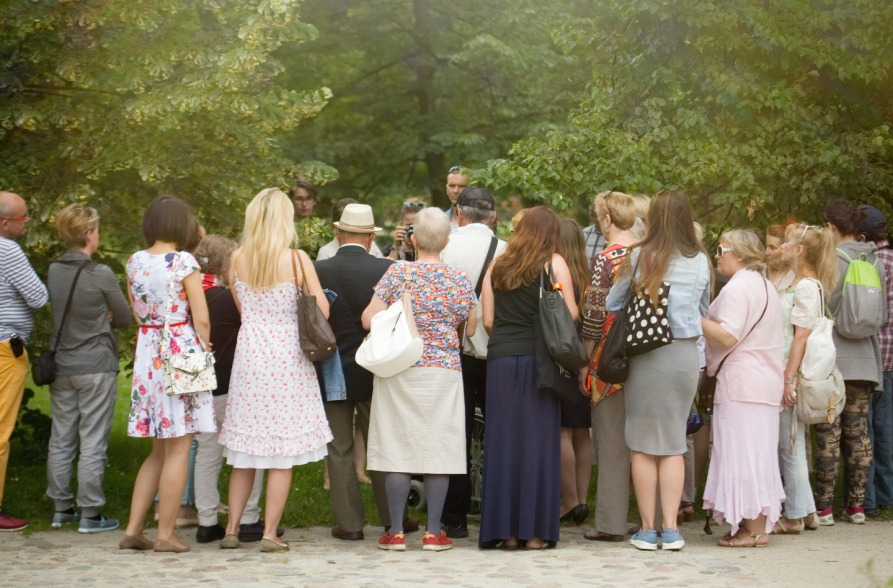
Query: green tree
x: 758, y: 110
x: 115, y: 102
x: 419, y: 86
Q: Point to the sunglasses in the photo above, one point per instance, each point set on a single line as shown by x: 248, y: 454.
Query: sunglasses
x: 455, y: 169
x: 413, y: 205
x: 17, y: 346
x: 720, y: 250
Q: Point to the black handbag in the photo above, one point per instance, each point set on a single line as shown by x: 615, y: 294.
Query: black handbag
x: 551, y: 376
x: 647, y: 325
x: 43, y: 368
x: 559, y: 332
x: 613, y: 363
x: 316, y: 335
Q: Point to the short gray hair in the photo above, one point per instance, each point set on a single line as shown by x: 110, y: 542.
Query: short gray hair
x: 476, y: 215
x: 432, y: 230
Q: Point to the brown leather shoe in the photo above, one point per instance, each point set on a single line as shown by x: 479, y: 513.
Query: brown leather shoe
x: 596, y: 535
x: 338, y: 533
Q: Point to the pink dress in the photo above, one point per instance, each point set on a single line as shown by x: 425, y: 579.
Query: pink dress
x: 744, y: 479
x: 274, y: 412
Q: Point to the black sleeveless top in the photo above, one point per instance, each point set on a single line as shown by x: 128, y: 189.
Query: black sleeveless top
x: 516, y: 312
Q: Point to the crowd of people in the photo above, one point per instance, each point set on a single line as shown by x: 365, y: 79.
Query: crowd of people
x: 742, y: 315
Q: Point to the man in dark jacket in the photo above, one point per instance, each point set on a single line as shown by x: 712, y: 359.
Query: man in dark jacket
x: 351, y: 274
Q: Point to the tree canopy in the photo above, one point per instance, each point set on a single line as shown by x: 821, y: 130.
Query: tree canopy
x: 115, y: 102
x: 755, y: 109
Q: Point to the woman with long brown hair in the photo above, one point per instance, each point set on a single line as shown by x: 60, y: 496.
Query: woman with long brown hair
x: 662, y: 383
x: 521, y: 488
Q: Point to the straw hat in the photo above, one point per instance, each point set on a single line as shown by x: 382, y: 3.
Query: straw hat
x: 357, y: 218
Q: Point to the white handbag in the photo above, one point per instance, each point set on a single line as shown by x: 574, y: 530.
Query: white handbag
x: 393, y: 343
x: 821, y: 393
x: 188, y: 372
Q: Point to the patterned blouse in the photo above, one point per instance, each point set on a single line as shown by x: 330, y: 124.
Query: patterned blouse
x: 442, y: 297
x: 603, y: 272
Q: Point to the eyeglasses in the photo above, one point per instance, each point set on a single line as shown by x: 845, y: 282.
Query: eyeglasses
x: 720, y: 250
x: 22, y: 219
x: 413, y: 205
x: 304, y: 200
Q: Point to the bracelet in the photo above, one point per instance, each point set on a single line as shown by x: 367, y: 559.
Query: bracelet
x: 790, y: 383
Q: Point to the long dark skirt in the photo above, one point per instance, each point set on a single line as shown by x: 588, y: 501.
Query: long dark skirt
x: 522, y: 469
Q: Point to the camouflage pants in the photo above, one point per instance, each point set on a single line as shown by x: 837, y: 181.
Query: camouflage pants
x: 850, y: 432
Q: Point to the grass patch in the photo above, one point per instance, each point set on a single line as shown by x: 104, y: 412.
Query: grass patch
x: 26, y: 482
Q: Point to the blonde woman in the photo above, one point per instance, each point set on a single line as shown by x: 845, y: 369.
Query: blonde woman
x: 809, y: 251
x: 274, y: 414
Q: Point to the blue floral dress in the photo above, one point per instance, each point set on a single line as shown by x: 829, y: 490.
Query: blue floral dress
x: 152, y: 412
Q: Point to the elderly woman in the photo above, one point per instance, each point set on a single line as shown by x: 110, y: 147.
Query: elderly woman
x: 744, y: 334
x: 417, y: 422
x: 520, y: 502
x: 82, y: 398
x: 616, y: 215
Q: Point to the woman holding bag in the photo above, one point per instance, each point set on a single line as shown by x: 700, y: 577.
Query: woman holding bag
x: 743, y: 332
x: 521, y: 480
x: 417, y: 422
x: 274, y: 413
x: 662, y: 383
x: 809, y: 251
x: 171, y: 421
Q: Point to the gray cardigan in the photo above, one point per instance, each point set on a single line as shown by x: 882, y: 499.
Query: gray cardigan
x: 88, y: 345
x: 857, y: 359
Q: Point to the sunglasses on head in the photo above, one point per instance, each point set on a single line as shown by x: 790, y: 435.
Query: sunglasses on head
x: 413, y: 205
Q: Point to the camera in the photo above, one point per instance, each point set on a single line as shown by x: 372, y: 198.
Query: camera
x: 408, y: 238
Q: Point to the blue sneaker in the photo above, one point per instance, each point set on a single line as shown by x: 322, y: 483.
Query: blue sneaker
x: 671, y: 540
x: 97, y: 525
x: 644, y: 540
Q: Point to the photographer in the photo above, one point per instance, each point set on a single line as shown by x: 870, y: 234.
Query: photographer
x: 402, y: 248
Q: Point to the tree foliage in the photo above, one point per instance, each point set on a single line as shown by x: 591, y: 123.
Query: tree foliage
x: 756, y: 109
x: 419, y: 86
x: 115, y: 102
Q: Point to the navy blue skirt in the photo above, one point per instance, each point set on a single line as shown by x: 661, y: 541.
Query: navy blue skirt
x: 522, y: 456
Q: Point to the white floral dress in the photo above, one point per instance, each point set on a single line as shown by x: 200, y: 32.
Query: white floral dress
x: 152, y: 412
x: 274, y: 412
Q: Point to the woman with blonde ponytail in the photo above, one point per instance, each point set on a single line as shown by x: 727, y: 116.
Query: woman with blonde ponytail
x: 809, y: 251
x: 274, y: 414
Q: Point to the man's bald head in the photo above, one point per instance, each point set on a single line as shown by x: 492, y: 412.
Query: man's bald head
x: 13, y: 215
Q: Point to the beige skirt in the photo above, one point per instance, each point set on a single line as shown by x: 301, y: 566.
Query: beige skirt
x: 417, y: 425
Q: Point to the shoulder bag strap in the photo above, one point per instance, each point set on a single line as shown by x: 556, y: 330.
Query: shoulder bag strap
x: 74, y: 282
x: 166, y: 331
x: 748, y: 332
x: 487, y: 259
x: 295, y: 254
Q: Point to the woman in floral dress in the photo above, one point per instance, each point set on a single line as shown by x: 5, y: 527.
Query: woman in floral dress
x: 171, y: 421
x: 274, y: 413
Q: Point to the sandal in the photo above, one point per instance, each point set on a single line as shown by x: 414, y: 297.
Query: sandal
x: 786, y: 526
x: 686, y: 513
x: 739, y: 539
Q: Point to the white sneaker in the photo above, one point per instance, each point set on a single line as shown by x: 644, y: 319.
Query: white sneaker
x: 857, y: 518
x: 826, y: 520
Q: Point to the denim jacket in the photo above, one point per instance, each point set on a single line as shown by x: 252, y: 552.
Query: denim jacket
x: 689, y: 279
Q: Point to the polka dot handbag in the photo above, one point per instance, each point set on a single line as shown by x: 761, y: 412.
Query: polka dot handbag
x: 648, y: 326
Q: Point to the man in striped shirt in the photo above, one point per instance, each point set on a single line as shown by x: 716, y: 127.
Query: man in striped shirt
x: 21, y: 291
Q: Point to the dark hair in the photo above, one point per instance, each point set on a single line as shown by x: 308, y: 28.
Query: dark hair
x: 167, y: 218
x: 844, y: 216
x: 307, y: 185
x: 339, y: 206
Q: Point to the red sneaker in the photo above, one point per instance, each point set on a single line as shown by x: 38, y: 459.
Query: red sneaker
x: 432, y: 542
x: 395, y: 542
x: 8, y: 523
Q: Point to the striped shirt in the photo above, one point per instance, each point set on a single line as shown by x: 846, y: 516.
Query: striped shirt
x: 21, y: 291
x: 885, y: 333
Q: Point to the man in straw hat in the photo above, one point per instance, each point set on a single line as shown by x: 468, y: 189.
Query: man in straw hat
x: 352, y: 273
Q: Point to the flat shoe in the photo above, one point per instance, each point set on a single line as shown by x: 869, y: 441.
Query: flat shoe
x: 510, y: 544
x: 270, y: 546
x: 139, y: 543
x: 230, y: 542
x: 163, y: 546
x: 534, y: 544
x: 596, y: 535
x: 794, y: 529
x: 738, y: 540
